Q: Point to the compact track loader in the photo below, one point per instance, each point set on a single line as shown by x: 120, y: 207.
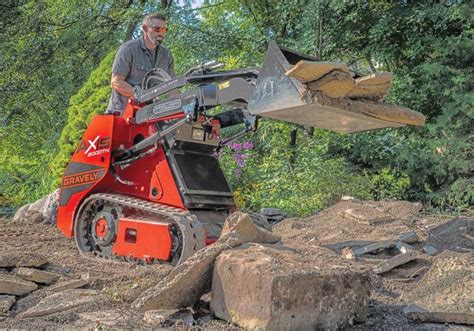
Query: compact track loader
x: 145, y: 185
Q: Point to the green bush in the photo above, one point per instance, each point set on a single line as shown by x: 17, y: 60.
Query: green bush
x: 90, y: 100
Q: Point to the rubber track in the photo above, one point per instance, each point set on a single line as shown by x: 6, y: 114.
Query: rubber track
x: 192, y: 231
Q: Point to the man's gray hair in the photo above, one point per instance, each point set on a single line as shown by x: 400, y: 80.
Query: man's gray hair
x: 147, y: 19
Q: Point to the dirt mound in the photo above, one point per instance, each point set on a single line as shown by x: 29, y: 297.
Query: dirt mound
x: 378, y: 220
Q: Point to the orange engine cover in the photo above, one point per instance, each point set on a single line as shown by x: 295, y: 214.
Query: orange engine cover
x: 143, y: 239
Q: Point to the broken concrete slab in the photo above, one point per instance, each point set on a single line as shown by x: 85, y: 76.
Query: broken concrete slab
x: 336, y: 84
x: 307, y: 71
x: 11, y: 284
x: 37, y: 276
x: 368, y: 216
x: 6, y: 302
x: 109, y: 318
x: 395, y: 262
x: 67, y: 285
x: 430, y: 250
x: 21, y: 259
x: 189, y: 280
x: 169, y: 317
x: 409, y: 237
x: 350, y: 244
x: 61, y: 301
x: 271, y: 287
x: 384, y: 244
x: 441, y: 317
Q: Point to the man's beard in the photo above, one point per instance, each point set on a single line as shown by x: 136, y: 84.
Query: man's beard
x: 154, y: 40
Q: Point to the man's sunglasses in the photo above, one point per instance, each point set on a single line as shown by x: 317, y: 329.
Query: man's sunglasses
x: 158, y: 29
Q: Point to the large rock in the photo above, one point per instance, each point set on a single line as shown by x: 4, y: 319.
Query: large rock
x: 272, y: 287
x: 10, y: 284
x: 43, y: 210
x: 61, y: 301
x: 21, y: 213
x: 187, y: 282
x: 21, y: 259
x: 6, y: 301
x: 37, y: 276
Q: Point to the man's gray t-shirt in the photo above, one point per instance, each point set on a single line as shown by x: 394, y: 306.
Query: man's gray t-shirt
x: 132, y: 61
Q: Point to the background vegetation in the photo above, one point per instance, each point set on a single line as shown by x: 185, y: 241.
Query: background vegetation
x: 55, y: 60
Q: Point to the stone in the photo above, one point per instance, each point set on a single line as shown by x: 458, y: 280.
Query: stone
x: 61, y: 301
x: 348, y: 253
x: 21, y: 213
x: 21, y: 259
x: 43, y: 210
x: 395, y: 262
x: 367, y: 216
x: 347, y: 198
x: 169, y: 317
x: 104, y: 317
x: 6, y: 302
x: 11, y: 284
x: 402, y: 247
x: 430, y: 250
x: 384, y: 244
x: 409, y: 237
x: 188, y: 281
x: 67, y: 285
x: 37, y: 276
x: 349, y: 244
x: 272, y: 287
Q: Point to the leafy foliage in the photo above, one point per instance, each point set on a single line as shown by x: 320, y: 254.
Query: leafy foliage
x: 50, y: 91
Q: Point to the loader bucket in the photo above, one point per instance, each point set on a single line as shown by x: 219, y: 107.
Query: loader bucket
x: 289, y: 89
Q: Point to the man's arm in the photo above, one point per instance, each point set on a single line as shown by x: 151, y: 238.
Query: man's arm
x: 119, y: 84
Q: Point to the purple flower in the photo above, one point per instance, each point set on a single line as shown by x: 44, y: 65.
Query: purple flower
x: 236, y: 146
x: 247, y: 145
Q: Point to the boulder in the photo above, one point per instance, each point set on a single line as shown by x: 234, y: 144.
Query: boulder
x: 21, y: 213
x: 272, y: 287
x: 188, y: 281
x: 409, y: 237
x: 10, y: 284
x: 43, y: 210
x: 62, y: 301
x: 21, y: 259
x: 37, y: 276
x: 6, y: 301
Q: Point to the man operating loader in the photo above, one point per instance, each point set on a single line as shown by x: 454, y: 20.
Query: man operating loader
x: 135, y: 58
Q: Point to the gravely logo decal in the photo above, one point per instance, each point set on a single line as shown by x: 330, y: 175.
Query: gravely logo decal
x: 81, y: 178
x: 94, y: 147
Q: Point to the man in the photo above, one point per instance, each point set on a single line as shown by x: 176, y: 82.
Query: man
x: 135, y: 58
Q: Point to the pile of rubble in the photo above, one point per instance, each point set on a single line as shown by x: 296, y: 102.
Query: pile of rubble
x: 21, y: 274
x: 357, y: 264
